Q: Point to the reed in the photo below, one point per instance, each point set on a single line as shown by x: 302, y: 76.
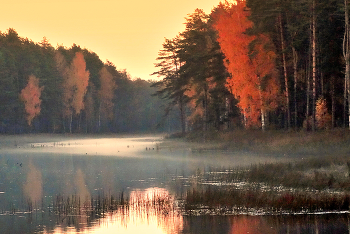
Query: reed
x: 302, y: 185
x: 238, y: 201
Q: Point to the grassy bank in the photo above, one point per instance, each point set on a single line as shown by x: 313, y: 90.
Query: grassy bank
x: 314, y: 177
x: 306, y: 185
x: 296, y: 143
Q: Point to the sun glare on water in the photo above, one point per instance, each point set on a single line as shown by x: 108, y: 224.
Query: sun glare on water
x: 149, y: 211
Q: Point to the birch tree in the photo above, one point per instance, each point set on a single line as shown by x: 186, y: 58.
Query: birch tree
x: 253, y: 78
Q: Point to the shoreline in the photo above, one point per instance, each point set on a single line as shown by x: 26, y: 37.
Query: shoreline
x: 303, y: 170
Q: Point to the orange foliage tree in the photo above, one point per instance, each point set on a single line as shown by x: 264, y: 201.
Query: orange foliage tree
x: 106, y: 93
x: 30, y: 95
x: 251, y: 62
x: 79, y: 76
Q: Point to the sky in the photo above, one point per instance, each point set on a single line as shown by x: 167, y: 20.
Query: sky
x: 129, y: 33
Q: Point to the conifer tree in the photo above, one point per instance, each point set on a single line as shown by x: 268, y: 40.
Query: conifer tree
x: 172, y: 86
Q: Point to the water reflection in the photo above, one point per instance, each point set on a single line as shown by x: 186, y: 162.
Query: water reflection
x: 115, y: 186
x: 33, y: 187
x: 283, y: 224
x: 147, y: 211
x: 81, y: 187
x: 252, y: 224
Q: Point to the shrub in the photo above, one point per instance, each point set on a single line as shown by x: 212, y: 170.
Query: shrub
x: 323, y: 118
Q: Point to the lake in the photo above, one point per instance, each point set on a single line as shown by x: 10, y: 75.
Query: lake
x: 123, y: 184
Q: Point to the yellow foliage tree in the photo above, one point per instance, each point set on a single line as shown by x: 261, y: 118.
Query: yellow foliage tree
x: 74, y: 86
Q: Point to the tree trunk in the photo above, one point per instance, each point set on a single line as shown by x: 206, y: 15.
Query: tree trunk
x: 295, y: 68
x: 99, y: 118
x: 263, y: 122
x: 181, y: 99
x: 86, y: 123
x: 285, y: 71
x: 182, y: 115
x: 344, y: 102
x: 313, y: 66
x: 70, y: 123
x: 244, y: 119
x: 333, y: 101
x: 307, y: 98
x: 347, y: 62
x: 205, y: 114
x: 79, y: 124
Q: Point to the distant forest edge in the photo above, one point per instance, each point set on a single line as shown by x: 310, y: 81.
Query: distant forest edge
x: 62, y: 90
x: 248, y: 64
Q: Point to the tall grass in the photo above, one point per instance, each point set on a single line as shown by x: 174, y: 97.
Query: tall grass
x: 296, y: 143
x: 238, y: 201
x: 304, y: 184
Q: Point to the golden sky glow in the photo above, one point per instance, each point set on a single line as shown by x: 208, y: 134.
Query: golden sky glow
x: 128, y: 33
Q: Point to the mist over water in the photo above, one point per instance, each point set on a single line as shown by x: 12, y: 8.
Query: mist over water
x: 122, y: 184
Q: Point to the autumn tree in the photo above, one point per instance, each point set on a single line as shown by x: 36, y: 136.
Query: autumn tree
x: 75, y: 81
x: 263, y: 64
x: 30, y: 95
x: 106, y: 94
x: 250, y: 60
x: 80, y: 76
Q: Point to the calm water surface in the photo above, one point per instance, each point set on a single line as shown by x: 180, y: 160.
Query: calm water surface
x: 122, y: 185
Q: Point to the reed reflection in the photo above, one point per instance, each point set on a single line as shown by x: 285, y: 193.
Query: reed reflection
x: 146, y: 211
x: 81, y: 187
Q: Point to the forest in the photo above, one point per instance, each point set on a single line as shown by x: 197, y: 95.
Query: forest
x: 247, y: 64
x: 70, y: 90
x: 260, y: 65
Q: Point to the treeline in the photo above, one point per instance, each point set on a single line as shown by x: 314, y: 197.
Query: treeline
x: 70, y: 90
x: 260, y: 64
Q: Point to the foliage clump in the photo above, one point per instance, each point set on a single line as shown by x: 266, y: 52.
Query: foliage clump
x: 30, y: 95
x: 323, y: 118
